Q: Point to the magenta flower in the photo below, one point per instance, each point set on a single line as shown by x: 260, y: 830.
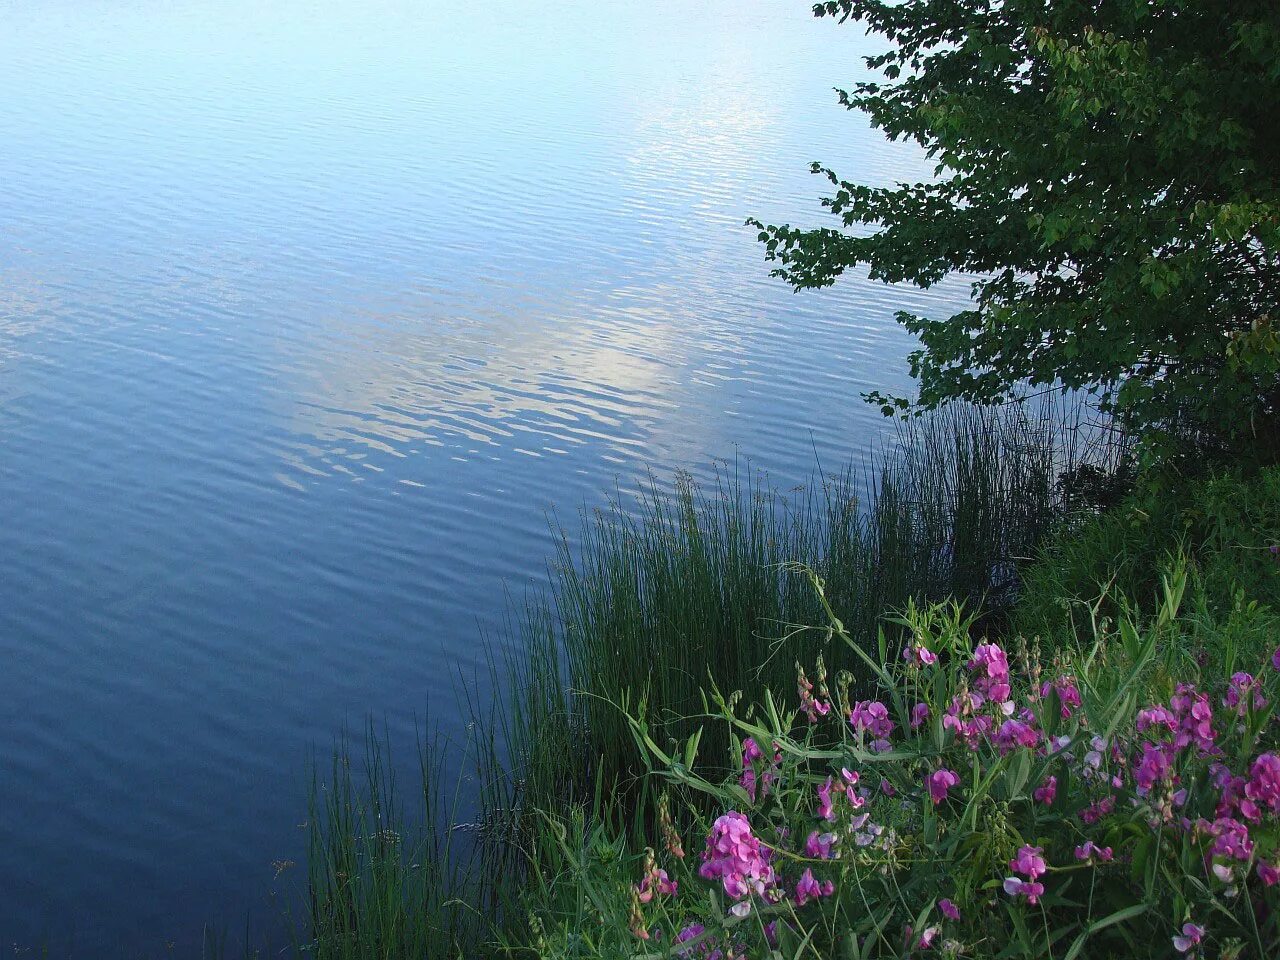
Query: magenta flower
x: 1016, y: 733
x: 659, y: 882
x: 1068, y: 694
x: 1243, y: 691
x: 1092, y: 852
x: 1191, y: 935
x: 992, y: 667
x: 949, y: 909
x: 927, y: 937
x: 919, y: 714
x: 1153, y: 768
x: 918, y: 654
x: 1097, y: 810
x: 1268, y: 873
x: 807, y: 888
x: 939, y: 782
x: 1263, y: 787
x: 1016, y: 887
x: 1047, y: 791
x: 818, y: 845
x: 734, y: 856
x: 1029, y: 862
x: 825, y: 809
x: 1275, y: 659
x: 873, y: 717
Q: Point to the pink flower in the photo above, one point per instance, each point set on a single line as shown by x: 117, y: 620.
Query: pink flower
x: 1156, y: 716
x: 919, y: 714
x: 1092, y: 852
x: 927, y: 937
x: 1015, y: 733
x: 992, y: 667
x: 949, y: 909
x: 1230, y: 839
x: 1191, y: 935
x: 825, y: 809
x: 1152, y: 769
x: 919, y: 654
x: 818, y: 845
x: 1268, y: 873
x: 1275, y: 659
x: 1016, y: 887
x: 1263, y: 787
x: 1068, y: 694
x: 1096, y: 811
x: 1046, y: 792
x: 1243, y: 691
x: 939, y: 782
x: 873, y: 717
x: 735, y: 857
x: 1195, y: 718
x: 1029, y: 862
x: 657, y: 881
x: 807, y: 888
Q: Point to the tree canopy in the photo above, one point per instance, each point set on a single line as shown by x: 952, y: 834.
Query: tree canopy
x: 1109, y: 170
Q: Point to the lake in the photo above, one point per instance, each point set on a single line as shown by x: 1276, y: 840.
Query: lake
x: 310, y: 312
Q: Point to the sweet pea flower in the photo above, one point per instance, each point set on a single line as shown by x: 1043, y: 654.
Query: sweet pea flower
x: 1244, y: 691
x: 1268, y: 873
x: 1068, y: 694
x: 919, y: 714
x: 1192, y: 934
x: 1093, y: 853
x: 734, y: 856
x: 1016, y: 733
x: 808, y: 888
x: 1263, y: 787
x: 927, y: 937
x: 919, y: 655
x: 873, y: 717
x: 992, y: 668
x: 939, y: 782
x: 949, y: 909
x: 1029, y: 862
x: 825, y: 808
x: 1016, y: 887
x: 1047, y: 791
x: 818, y: 845
x: 1275, y: 659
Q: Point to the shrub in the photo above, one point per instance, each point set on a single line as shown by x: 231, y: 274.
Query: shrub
x: 989, y: 802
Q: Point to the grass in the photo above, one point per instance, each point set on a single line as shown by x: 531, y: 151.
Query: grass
x: 684, y: 587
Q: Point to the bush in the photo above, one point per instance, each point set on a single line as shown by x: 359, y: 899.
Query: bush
x: 992, y: 802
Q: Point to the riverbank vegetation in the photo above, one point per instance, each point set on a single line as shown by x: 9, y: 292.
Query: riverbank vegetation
x: 1011, y: 692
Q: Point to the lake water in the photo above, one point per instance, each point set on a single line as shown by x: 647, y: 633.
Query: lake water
x: 309, y: 313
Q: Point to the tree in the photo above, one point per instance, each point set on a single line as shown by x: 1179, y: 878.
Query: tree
x: 1110, y: 169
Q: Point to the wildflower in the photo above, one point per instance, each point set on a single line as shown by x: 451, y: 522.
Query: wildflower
x: 734, y: 856
x: 927, y: 937
x: 992, y: 667
x: 1015, y: 733
x: 1275, y: 659
x: 808, y: 888
x: 873, y: 717
x: 939, y: 782
x: 813, y: 707
x: 1047, y: 791
x: 1230, y: 839
x: 1264, y: 782
x: 1016, y: 887
x: 1093, y: 853
x: 818, y: 845
x: 1191, y: 935
x: 1029, y: 862
x: 1097, y: 810
x: 919, y: 714
x: 1156, y: 716
x: 949, y: 909
x: 1243, y: 691
x: 751, y: 752
x: 887, y: 788
x: 962, y: 717
x: 670, y: 836
x: 1195, y: 719
x: 919, y: 655
x: 1068, y: 694
x: 1152, y: 769
x: 825, y: 808
x: 1268, y: 873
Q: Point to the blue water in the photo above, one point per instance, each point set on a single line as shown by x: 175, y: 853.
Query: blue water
x: 309, y: 312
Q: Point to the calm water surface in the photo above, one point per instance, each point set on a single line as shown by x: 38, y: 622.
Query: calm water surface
x: 309, y: 312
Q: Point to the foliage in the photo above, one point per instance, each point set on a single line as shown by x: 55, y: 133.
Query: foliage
x: 1107, y: 802
x: 1111, y: 173
x: 1227, y: 526
x: 693, y: 587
